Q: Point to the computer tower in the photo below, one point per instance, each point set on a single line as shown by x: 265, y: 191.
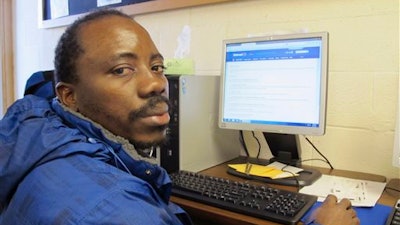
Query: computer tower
x: 195, y: 142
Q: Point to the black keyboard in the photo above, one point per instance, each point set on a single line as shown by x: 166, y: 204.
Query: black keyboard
x: 394, y: 217
x: 265, y: 202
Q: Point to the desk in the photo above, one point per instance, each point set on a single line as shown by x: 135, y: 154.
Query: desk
x: 216, y: 216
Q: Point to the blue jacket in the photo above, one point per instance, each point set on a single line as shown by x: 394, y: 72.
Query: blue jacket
x: 58, y: 168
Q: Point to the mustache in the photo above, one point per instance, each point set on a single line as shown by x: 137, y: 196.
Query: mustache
x: 147, y: 108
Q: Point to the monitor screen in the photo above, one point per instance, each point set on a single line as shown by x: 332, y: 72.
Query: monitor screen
x: 275, y: 84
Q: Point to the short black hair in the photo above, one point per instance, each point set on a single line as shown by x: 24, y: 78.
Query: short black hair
x: 69, y: 49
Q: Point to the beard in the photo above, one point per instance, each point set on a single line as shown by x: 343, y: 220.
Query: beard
x: 151, y: 144
x: 146, y: 149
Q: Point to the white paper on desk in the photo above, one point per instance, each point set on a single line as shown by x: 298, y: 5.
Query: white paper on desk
x: 288, y: 171
x: 362, y: 193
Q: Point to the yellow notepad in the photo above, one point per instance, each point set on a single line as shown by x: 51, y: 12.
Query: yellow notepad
x: 257, y: 170
x: 273, y: 170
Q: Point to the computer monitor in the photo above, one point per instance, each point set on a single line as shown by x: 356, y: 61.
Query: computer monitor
x: 275, y: 84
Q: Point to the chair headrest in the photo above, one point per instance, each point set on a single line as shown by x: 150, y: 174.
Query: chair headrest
x: 41, y: 84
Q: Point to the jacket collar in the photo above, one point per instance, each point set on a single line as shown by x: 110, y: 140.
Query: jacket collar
x: 127, y: 158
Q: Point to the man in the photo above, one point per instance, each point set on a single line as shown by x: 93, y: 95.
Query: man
x: 81, y: 158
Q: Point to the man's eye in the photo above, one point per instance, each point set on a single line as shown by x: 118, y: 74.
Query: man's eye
x: 158, y: 68
x: 122, y: 71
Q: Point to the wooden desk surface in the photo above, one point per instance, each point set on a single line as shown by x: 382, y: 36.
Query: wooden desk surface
x: 205, y: 214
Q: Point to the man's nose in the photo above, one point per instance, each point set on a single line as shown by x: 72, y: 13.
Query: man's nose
x: 153, y: 83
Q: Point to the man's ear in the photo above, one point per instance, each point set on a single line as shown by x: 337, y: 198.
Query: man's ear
x: 66, y: 94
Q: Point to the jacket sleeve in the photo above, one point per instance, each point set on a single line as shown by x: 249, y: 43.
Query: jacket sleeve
x: 134, y: 209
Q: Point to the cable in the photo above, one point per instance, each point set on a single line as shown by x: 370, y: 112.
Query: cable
x: 293, y: 176
x: 241, y: 139
x: 259, y: 144
x: 316, y: 159
x: 315, y: 148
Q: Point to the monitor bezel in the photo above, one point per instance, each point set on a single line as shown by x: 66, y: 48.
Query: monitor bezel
x: 284, y: 129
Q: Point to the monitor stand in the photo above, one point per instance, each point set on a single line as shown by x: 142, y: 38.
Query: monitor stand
x: 305, y: 178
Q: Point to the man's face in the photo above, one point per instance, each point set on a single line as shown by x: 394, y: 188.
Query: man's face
x: 121, y: 80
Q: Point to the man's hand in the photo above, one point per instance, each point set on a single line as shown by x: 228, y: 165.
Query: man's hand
x: 332, y: 212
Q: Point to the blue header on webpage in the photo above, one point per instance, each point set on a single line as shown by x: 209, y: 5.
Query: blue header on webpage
x: 273, y: 54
